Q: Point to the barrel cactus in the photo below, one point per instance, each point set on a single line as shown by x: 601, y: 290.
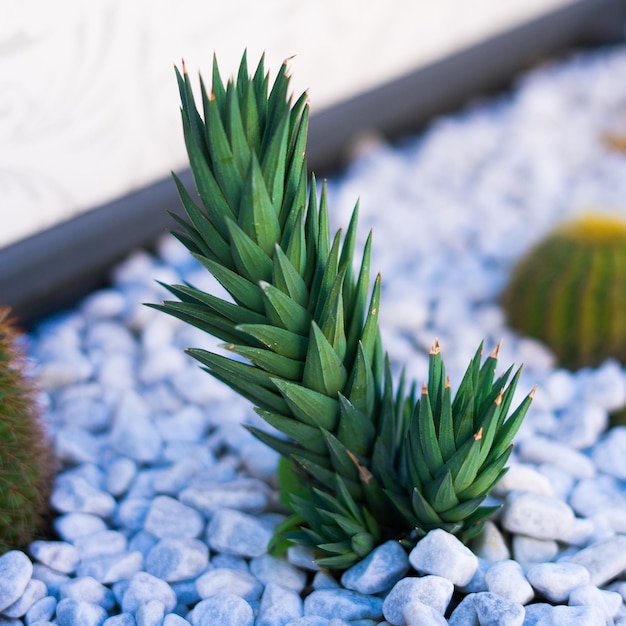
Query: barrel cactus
x: 26, y: 458
x: 362, y: 462
x: 569, y: 291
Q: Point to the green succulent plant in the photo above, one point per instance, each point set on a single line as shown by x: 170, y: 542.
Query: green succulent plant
x: 569, y: 291
x: 361, y: 461
x: 26, y: 459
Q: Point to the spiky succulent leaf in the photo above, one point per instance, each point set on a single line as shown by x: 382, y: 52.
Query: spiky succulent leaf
x: 361, y: 462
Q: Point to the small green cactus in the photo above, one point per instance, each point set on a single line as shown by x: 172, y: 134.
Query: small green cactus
x: 363, y: 462
x: 26, y: 459
x: 569, y: 291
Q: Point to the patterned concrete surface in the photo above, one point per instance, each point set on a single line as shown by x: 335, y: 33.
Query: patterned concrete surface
x: 88, y: 100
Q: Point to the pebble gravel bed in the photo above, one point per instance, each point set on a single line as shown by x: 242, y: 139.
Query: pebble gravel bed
x: 164, y: 503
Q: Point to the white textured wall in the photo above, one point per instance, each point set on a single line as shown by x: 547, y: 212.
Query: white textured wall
x: 88, y: 100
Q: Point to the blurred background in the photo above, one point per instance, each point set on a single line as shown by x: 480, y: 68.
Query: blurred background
x: 88, y: 99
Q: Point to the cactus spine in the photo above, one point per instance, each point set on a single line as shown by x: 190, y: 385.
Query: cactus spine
x: 26, y: 461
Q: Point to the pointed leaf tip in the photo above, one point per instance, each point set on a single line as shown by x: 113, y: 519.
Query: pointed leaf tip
x: 496, y: 351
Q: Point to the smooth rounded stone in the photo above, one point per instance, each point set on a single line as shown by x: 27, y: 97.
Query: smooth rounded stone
x: 618, y: 587
x: 111, y: 568
x: 442, y: 554
x: 477, y: 582
x: 538, y: 613
x: 175, y: 451
x: 379, y: 571
x: 88, y: 589
x: 434, y: 591
x: 131, y: 513
x: 58, y: 555
x: 269, y: 569
x: 41, y: 611
x: 74, y: 445
x: 229, y: 561
x: 608, y: 453
x: 73, y: 494
x: 72, y: 526
x: 259, y: 460
x: 344, y: 604
x: 160, y: 363
x: 573, y: 616
x: 309, y: 620
x: 531, y: 550
x: 579, y: 533
x: 150, y: 613
x: 35, y: 591
x: 158, y: 334
x: 123, y: 619
x: 133, y: 269
x: 536, y: 515
x: 70, y: 368
x: 173, y: 479
x: 85, y: 406
x: 16, y: 570
x: 542, y: 450
x: 239, y: 534
x: 278, y: 606
x: 494, y: 610
x: 175, y: 559
x: 580, y: 425
x: 170, y: 250
x: 72, y: 612
x: 562, y: 482
x: 613, y: 518
x: 604, y: 560
x: 143, y: 587
x: 108, y: 337
x: 142, y: 486
x: 323, y: 580
x: 609, y: 602
x: 102, y: 304
x: 171, y: 619
x: 120, y: 474
x: 133, y: 433
x: 490, y: 544
x: 117, y: 372
x: 302, y: 557
x: 506, y: 579
x: 596, y: 495
x: 522, y: 477
x: 186, y: 592
x: 101, y: 543
x: 225, y: 609
x: 249, y: 495
x: 195, y: 387
x: 161, y: 399
x: 417, y: 612
x: 606, y: 386
x: 187, y: 424
x: 465, y: 613
x: 51, y: 578
x: 90, y: 472
x: 223, y: 580
x: 167, y: 517
x: 560, y: 387
x: 555, y: 581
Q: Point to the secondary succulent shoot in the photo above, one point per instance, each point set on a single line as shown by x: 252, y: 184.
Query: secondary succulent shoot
x: 26, y: 459
x: 570, y: 291
x: 362, y: 462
